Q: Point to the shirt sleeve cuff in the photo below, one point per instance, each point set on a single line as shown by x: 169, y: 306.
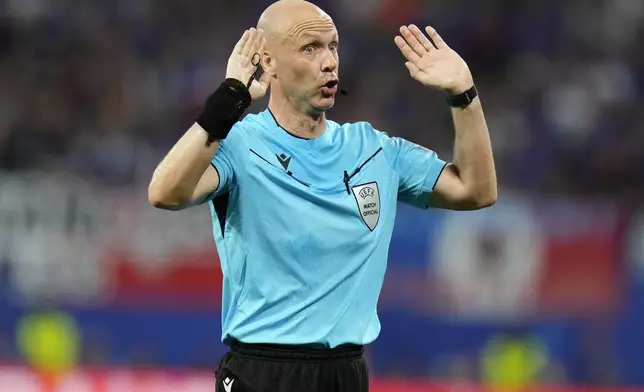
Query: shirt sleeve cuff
x: 212, y: 163
x: 216, y: 191
x: 434, y: 173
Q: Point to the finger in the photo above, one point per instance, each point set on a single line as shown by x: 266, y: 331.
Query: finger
x: 422, y: 38
x: 433, y: 35
x: 256, y: 46
x: 412, y: 41
x: 252, y: 36
x: 258, y: 50
x: 241, y: 43
x: 406, y: 50
x: 413, y: 69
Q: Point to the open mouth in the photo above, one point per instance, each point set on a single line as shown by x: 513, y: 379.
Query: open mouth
x: 331, y: 84
x: 330, y: 88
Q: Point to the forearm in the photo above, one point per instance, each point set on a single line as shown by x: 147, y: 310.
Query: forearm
x: 473, y: 153
x: 175, y: 179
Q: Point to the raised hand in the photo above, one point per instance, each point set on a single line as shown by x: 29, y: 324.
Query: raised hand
x: 242, y: 63
x: 435, y: 65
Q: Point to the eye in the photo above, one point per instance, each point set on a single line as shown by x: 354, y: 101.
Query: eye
x: 333, y: 47
x: 309, y: 49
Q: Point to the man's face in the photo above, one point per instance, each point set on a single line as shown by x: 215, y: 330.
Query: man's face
x: 307, y: 65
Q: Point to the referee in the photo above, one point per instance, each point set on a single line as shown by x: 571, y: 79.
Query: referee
x: 303, y: 208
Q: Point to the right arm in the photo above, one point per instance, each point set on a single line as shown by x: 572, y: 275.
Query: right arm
x: 185, y: 176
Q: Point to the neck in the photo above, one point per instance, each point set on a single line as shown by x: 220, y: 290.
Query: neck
x: 294, y: 120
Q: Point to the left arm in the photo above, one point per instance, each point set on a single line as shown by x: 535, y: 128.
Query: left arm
x: 470, y: 181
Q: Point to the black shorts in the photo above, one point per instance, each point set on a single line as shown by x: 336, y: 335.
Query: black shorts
x: 277, y: 368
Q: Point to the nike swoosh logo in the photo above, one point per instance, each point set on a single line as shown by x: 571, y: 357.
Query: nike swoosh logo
x: 284, y: 162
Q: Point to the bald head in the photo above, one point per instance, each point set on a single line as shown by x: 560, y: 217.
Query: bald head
x: 300, y: 55
x: 286, y: 18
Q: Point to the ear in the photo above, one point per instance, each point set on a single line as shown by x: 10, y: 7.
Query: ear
x: 268, y: 63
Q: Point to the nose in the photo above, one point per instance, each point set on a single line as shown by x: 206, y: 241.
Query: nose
x: 330, y: 61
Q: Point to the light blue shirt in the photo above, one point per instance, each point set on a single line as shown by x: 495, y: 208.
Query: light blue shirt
x: 303, y: 245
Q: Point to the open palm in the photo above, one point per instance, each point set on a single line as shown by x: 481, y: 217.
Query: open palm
x: 242, y: 63
x: 433, y: 64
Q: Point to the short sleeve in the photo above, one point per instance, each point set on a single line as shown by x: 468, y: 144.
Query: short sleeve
x: 223, y: 162
x: 417, y: 167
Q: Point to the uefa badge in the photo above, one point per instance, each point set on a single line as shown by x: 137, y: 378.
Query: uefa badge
x: 368, y: 198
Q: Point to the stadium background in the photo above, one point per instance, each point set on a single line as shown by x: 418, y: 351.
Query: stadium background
x: 99, y: 291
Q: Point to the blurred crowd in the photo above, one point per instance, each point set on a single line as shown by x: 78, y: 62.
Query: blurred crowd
x: 103, y: 88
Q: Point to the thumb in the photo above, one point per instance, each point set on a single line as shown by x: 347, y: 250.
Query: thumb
x: 413, y: 69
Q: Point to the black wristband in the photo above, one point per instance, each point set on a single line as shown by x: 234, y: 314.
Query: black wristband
x: 464, y: 99
x: 223, y: 108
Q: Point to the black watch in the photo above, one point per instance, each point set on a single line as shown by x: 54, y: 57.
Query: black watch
x: 464, y: 99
